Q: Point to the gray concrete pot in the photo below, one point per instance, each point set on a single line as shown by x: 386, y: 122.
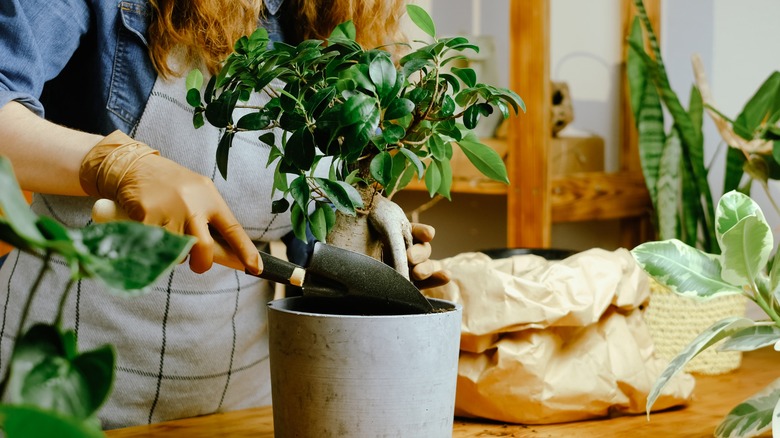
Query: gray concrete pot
x: 352, y: 375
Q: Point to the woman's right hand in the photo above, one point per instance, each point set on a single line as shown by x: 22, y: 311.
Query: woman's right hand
x: 157, y: 191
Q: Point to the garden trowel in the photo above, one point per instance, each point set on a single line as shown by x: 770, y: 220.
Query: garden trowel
x: 332, y: 272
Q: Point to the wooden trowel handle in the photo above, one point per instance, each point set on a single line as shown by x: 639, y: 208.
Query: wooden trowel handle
x: 274, y: 269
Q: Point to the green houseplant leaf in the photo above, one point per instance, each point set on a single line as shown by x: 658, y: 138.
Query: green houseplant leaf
x: 30, y: 421
x: 687, y: 271
x: 753, y: 416
x: 716, y: 332
x: 421, y: 19
x: 745, y: 238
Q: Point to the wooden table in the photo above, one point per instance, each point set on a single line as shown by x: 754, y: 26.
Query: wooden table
x: 715, y: 396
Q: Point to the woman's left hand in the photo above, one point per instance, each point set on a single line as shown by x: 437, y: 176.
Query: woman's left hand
x: 421, y: 267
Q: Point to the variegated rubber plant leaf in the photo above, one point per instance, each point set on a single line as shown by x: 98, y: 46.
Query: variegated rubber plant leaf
x: 720, y: 330
x: 753, y: 416
x: 685, y: 270
x: 744, y: 236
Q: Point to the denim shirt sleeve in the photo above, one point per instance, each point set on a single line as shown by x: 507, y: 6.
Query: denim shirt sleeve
x: 37, y: 38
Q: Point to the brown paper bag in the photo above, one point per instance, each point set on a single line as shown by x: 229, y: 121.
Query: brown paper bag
x: 554, y: 341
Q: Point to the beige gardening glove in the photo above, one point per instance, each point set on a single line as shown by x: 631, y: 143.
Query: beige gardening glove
x: 157, y: 191
x: 421, y: 268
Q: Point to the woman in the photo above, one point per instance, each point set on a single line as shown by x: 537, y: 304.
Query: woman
x: 107, y: 77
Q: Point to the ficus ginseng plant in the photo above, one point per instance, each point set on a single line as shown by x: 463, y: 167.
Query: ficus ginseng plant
x: 742, y: 267
x: 50, y: 388
x: 375, y: 124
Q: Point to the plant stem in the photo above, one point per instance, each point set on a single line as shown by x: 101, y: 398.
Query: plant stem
x: 23, y: 319
x: 758, y: 298
x: 63, y: 298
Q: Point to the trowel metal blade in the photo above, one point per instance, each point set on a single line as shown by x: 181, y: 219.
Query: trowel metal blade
x: 334, y: 271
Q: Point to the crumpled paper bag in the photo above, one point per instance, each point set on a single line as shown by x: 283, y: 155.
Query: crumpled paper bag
x: 554, y: 341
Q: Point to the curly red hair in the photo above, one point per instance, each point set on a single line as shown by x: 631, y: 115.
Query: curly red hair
x: 204, y: 30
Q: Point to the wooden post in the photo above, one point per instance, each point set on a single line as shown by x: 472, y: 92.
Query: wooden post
x: 528, y: 198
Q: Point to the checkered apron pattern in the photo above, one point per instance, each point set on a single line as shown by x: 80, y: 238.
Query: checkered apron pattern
x: 196, y: 343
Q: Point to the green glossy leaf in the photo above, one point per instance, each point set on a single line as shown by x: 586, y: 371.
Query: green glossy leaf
x: 193, y: 97
x: 338, y: 195
x: 14, y: 207
x: 383, y: 74
x: 716, y: 332
x: 686, y: 270
x: 298, y: 219
x: 43, y: 375
x: 345, y: 30
x: 356, y: 109
x: 484, y: 158
x: 437, y: 147
x: 392, y: 134
x: 268, y: 138
x: 319, y: 225
x: 129, y: 256
x: 446, y: 178
x: 471, y: 116
x: 280, y: 206
x: 197, y: 119
x: 300, y: 149
x: 299, y: 189
x: 194, y: 80
x: 254, y: 121
x: 421, y: 19
x: 399, y: 108
x: 433, y: 178
x: 223, y: 152
x: 381, y: 168
x: 31, y: 421
x: 415, y: 160
x: 467, y: 75
x: 751, y: 338
x: 753, y: 416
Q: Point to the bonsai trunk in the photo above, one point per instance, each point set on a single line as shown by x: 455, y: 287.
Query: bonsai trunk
x: 380, y: 231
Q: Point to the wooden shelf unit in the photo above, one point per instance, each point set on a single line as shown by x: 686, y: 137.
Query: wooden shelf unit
x: 535, y: 200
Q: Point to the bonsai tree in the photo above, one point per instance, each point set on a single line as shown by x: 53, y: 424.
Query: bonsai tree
x: 742, y: 268
x: 374, y: 124
x: 50, y: 388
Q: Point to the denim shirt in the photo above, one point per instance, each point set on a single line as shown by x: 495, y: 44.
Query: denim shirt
x: 83, y: 63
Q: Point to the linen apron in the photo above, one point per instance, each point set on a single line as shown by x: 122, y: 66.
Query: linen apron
x: 196, y: 343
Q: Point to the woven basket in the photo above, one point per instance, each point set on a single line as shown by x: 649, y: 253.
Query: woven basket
x: 674, y: 321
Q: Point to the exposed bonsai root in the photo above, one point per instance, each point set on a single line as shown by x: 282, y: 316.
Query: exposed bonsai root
x: 395, y: 231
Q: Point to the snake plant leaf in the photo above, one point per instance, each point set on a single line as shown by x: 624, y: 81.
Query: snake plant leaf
x: 735, y: 161
x: 668, y: 191
x: 720, y: 330
x: 764, y: 103
x: 27, y: 421
x: 421, y: 19
x: 636, y: 72
x: 686, y: 270
x: 752, y: 338
x: 746, y: 248
x: 753, y: 416
x: 652, y: 143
